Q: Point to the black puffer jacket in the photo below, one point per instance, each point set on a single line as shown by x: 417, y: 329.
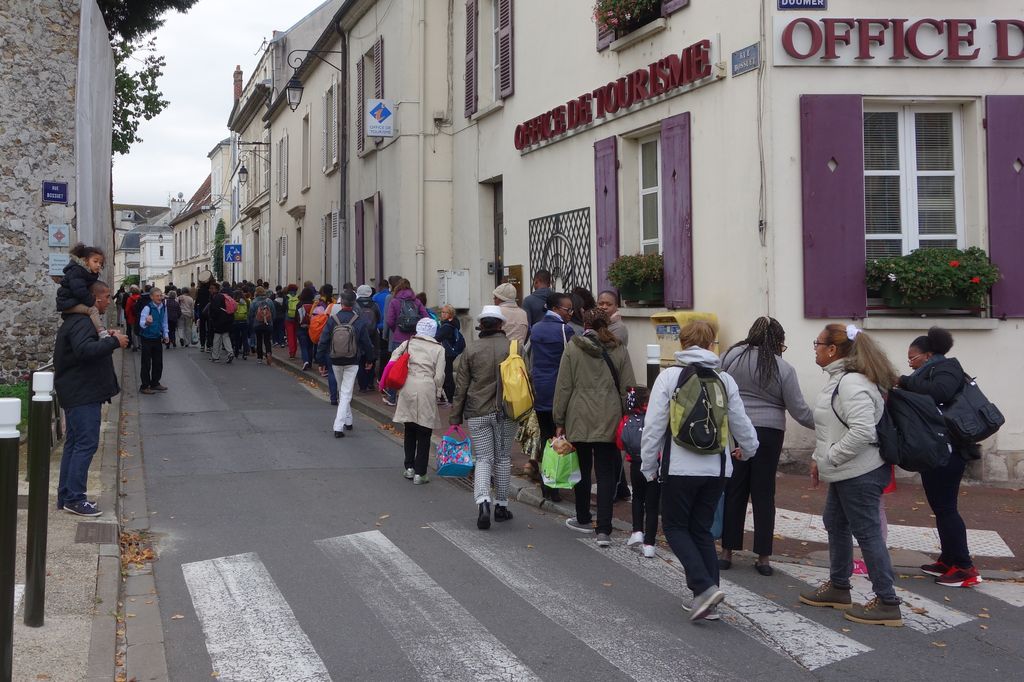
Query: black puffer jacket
x: 83, y: 363
x: 74, y: 286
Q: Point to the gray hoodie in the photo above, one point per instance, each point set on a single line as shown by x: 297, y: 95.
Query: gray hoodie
x: 767, y: 405
x: 684, y: 462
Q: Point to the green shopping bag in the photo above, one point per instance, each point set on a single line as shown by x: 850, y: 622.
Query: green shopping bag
x: 559, y: 471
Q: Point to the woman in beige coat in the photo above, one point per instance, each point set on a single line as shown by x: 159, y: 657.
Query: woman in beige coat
x: 417, y: 400
x: 589, y: 400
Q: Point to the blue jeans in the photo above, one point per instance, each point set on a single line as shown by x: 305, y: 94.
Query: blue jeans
x: 305, y: 345
x: 240, y: 338
x: 852, y: 511
x: 688, y: 506
x: 278, y: 336
x: 80, y: 443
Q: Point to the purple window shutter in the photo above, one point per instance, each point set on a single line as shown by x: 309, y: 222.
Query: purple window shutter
x: 360, y: 243
x: 378, y: 68
x: 506, y: 61
x: 472, y: 77
x: 670, y: 6
x: 832, y: 172
x: 606, y: 207
x: 360, y: 105
x: 378, y: 206
x: 1005, y: 122
x: 677, y: 211
x: 604, y: 38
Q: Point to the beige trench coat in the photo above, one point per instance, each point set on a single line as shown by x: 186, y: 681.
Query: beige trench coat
x: 417, y: 400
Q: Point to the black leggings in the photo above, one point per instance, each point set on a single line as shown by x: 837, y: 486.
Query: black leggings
x: 646, y: 502
x: 753, y: 479
x: 417, y: 447
x: 263, y: 346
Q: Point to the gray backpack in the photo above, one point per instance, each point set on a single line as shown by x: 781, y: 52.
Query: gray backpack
x: 344, y: 341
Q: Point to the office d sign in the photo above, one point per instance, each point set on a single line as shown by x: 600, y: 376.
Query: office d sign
x: 380, y: 118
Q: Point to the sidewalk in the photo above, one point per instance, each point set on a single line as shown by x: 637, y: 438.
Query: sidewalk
x: 983, y: 507
x: 76, y: 641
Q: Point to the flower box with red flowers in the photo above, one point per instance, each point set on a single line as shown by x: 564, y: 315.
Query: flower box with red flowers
x: 625, y: 16
x: 933, y: 279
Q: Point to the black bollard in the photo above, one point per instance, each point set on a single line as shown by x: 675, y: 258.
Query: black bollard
x: 39, y: 416
x: 653, y: 364
x: 10, y: 415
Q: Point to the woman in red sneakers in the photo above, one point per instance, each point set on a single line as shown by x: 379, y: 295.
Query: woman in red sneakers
x: 942, y: 378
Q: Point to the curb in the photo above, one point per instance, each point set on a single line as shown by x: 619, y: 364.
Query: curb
x: 140, y: 641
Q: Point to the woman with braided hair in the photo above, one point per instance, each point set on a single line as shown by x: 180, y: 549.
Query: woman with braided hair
x: 769, y: 388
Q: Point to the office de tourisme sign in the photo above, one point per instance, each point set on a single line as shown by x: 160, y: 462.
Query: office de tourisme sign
x: 840, y: 41
x: 674, y: 74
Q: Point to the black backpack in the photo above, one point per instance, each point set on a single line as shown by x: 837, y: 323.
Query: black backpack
x: 970, y: 416
x: 912, y: 431
x: 408, y: 315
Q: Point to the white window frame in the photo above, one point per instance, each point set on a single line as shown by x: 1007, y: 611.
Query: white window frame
x: 642, y: 192
x: 495, y: 58
x: 908, y: 174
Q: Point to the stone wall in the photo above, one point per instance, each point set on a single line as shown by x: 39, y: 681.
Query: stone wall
x: 39, y: 43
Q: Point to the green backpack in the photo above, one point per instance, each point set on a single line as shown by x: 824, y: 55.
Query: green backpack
x: 699, y: 411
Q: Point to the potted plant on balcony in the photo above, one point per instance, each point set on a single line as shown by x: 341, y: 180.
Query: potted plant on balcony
x: 640, y: 279
x: 934, y: 279
x: 625, y: 16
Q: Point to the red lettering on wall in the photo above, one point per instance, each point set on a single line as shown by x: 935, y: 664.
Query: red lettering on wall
x: 702, y: 60
x: 899, y: 40
x: 623, y: 93
x: 611, y: 98
x: 867, y: 38
x: 587, y: 109
x: 599, y: 96
x: 913, y: 47
x: 833, y: 37
x: 639, y: 85
x: 655, y: 84
x: 817, y: 38
x: 1003, y: 39
x: 560, y: 120
x: 520, y: 138
x: 956, y: 38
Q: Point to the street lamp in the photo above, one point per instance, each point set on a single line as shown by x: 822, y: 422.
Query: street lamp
x: 293, y: 91
x: 243, y: 175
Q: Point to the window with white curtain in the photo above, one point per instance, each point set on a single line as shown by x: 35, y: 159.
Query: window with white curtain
x: 913, y: 179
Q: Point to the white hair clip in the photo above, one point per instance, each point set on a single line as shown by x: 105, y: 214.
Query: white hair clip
x: 852, y: 331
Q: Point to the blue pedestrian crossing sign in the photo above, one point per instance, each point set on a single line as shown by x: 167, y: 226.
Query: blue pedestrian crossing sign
x: 232, y: 253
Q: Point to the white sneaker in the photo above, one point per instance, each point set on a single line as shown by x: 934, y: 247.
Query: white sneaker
x: 712, y: 613
x: 635, y: 538
x: 420, y: 480
x: 409, y: 473
x: 649, y: 551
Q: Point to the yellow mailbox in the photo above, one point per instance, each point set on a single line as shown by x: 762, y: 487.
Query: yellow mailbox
x: 666, y: 327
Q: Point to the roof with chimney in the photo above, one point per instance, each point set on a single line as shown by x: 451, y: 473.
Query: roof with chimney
x: 132, y: 239
x: 143, y: 213
x: 195, y: 205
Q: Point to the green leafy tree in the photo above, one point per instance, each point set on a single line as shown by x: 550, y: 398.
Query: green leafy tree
x: 137, y: 67
x: 220, y: 236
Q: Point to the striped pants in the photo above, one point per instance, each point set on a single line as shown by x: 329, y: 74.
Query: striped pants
x: 492, y: 444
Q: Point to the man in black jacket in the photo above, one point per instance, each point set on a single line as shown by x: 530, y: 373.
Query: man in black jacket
x: 84, y: 379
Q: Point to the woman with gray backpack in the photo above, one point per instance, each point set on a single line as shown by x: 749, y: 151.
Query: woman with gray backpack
x: 693, y: 410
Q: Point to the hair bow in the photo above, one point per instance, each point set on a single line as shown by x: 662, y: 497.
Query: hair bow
x: 852, y: 331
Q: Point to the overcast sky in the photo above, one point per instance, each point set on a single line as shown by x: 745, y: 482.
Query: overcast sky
x: 202, y: 48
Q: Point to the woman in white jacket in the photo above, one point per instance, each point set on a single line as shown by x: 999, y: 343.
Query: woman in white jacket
x: 694, y: 482
x: 846, y: 457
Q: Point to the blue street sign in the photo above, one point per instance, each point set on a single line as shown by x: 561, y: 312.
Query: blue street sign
x: 232, y: 253
x: 55, y: 192
x: 803, y: 4
x: 747, y: 59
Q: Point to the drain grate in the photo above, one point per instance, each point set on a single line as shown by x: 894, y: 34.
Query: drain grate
x: 96, y: 532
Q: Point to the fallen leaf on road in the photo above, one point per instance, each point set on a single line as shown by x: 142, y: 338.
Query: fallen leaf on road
x: 42, y: 676
x: 425, y: 527
x: 947, y: 599
x: 918, y: 502
x: 919, y: 611
x: 177, y: 616
x: 384, y: 516
x: 804, y: 544
x: 607, y: 584
x: 846, y: 629
x: 918, y: 577
x: 215, y: 674
x: 378, y: 524
x: 941, y: 645
x: 914, y: 508
x: 130, y: 615
x: 983, y: 627
x: 529, y: 547
x: 984, y: 615
x: 148, y: 601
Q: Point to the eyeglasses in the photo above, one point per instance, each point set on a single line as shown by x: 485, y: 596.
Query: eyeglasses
x: 562, y: 307
x: 910, y: 361
x: 817, y: 343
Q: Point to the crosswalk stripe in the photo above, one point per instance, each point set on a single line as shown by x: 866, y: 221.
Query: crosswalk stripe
x: 560, y: 597
x: 810, y: 527
x: 19, y: 592
x: 919, y: 613
x: 1011, y: 593
x: 440, y: 637
x: 809, y: 643
x: 251, y: 632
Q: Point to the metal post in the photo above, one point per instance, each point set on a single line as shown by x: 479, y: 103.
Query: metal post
x: 39, y: 416
x: 10, y: 415
x: 653, y: 363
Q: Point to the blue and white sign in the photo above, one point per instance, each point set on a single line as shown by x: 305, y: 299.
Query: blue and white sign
x: 59, y: 235
x: 232, y: 253
x: 803, y: 4
x: 747, y: 59
x: 380, y: 118
x: 55, y: 192
x: 58, y: 261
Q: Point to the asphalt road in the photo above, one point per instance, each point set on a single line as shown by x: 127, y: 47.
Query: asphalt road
x: 285, y: 554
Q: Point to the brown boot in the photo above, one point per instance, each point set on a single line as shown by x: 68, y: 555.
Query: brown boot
x: 876, y: 612
x: 827, y: 595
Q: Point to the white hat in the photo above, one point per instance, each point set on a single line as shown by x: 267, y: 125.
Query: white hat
x: 505, y: 292
x: 426, y: 327
x: 491, y: 311
x: 364, y: 291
